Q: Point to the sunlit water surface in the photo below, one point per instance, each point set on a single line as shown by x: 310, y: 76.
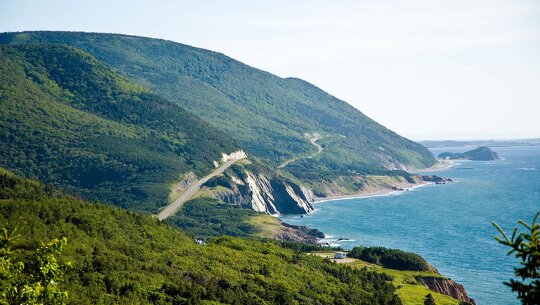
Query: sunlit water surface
x: 449, y: 225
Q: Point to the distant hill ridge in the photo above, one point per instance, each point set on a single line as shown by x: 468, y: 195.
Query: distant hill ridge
x: 478, y: 154
x: 266, y: 114
x: 477, y: 143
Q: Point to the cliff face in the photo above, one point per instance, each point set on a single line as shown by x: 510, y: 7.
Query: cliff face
x: 370, y: 184
x: 447, y: 287
x: 263, y: 193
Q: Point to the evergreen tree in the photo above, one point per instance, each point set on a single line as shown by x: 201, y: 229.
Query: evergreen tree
x: 526, y: 247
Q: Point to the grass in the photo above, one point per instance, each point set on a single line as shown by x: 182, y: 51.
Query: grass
x: 267, y: 225
x: 410, y: 291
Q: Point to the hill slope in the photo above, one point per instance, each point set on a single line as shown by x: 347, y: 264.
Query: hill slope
x: 481, y: 153
x: 267, y: 114
x: 121, y: 257
x: 67, y: 119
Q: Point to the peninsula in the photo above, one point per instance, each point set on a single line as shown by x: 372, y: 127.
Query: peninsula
x: 482, y: 153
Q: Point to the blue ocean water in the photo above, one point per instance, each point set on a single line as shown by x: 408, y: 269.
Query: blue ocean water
x: 449, y: 225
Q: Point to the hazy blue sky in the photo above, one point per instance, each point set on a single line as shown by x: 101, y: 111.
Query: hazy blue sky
x: 425, y: 69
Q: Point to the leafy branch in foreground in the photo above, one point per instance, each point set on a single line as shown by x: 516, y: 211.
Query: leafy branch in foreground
x: 525, y: 246
x: 35, y: 280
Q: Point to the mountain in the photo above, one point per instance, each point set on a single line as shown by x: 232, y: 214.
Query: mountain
x: 271, y: 117
x: 67, y: 119
x: 122, y: 257
x: 476, y: 143
x: 478, y: 154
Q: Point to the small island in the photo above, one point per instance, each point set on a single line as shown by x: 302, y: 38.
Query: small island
x: 478, y: 154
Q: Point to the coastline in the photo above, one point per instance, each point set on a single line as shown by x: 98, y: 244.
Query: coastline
x: 442, y: 164
x: 378, y: 193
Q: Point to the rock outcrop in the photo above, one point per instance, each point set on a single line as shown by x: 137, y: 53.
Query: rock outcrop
x: 179, y: 187
x: 263, y: 193
x: 435, y: 179
x: 300, y: 234
x: 237, y: 155
x: 447, y: 287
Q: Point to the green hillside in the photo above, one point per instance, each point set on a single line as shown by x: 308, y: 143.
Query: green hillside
x: 267, y: 114
x: 121, y: 257
x: 69, y: 120
x: 481, y: 153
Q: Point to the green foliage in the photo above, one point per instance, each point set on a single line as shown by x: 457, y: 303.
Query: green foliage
x: 268, y: 115
x: 218, y: 181
x: 12, y: 187
x: 208, y: 217
x: 390, y: 258
x: 122, y: 257
x: 429, y: 300
x: 479, y: 154
x: 303, y: 247
x: 69, y: 120
x: 525, y: 246
x: 36, y: 278
x: 410, y: 284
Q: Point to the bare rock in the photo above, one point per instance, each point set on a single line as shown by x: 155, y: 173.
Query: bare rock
x: 447, y: 287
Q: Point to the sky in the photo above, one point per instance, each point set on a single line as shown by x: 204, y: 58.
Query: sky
x: 460, y: 69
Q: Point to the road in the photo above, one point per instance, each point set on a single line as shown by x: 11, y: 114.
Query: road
x: 193, y: 188
x: 319, y: 147
x: 313, y: 141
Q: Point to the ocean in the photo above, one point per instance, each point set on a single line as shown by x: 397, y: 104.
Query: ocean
x: 449, y: 225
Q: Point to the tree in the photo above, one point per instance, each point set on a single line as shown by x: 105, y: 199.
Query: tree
x: 526, y: 247
x: 429, y: 300
x: 35, y: 279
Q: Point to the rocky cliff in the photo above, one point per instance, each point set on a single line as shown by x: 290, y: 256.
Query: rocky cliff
x: 436, y: 179
x: 261, y: 191
x: 447, y: 287
x: 369, y: 184
x: 301, y: 234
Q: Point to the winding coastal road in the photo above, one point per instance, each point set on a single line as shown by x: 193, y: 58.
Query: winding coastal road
x: 313, y: 140
x: 193, y: 188
x: 319, y: 147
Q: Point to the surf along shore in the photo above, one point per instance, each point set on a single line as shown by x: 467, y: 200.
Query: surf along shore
x: 441, y: 165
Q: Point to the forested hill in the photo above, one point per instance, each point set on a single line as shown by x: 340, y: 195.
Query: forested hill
x: 267, y: 114
x: 69, y: 120
x: 122, y: 257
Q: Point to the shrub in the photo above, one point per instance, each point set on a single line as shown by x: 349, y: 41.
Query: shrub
x: 390, y: 258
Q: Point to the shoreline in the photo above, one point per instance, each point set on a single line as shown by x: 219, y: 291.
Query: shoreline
x: 379, y: 193
x: 441, y: 165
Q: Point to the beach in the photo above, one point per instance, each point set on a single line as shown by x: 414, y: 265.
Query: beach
x: 442, y: 164
x: 381, y: 192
